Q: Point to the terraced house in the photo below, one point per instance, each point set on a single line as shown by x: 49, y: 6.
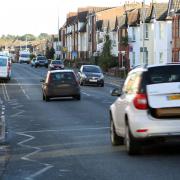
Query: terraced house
x: 139, y: 34
x: 174, y: 13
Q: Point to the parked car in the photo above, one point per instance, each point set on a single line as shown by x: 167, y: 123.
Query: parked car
x: 91, y: 74
x: 5, y: 67
x: 41, y: 61
x: 56, y: 64
x: 33, y: 62
x: 60, y: 83
x: 147, y: 107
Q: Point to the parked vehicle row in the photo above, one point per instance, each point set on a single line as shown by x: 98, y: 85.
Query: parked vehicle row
x: 5, y: 67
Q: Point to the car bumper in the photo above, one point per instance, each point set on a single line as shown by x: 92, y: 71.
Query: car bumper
x: 63, y: 93
x: 93, y: 81
x: 143, y: 125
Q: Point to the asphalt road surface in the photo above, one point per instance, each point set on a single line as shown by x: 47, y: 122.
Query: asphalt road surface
x: 66, y: 139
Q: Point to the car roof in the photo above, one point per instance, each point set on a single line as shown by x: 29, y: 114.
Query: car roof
x: 61, y: 70
x: 90, y: 66
x: 146, y: 67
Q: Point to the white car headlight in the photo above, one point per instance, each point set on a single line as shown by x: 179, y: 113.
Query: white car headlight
x: 102, y: 76
x: 84, y: 76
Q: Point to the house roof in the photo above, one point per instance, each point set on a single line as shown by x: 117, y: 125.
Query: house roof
x: 173, y: 7
x: 147, y: 12
x: 161, y: 11
x: 109, y: 16
x: 71, y: 17
x: 133, y: 17
x: 82, y: 16
x: 122, y: 21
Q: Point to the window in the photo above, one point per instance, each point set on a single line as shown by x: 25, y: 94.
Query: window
x: 133, y: 34
x: 146, y: 31
x: 62, y: 77
x: 160, y: 57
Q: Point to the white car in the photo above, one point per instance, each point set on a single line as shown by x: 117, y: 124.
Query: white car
x: 147, y: 107
x: 5, y: 68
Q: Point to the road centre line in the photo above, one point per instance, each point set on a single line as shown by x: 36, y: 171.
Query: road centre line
x: 64, y: 130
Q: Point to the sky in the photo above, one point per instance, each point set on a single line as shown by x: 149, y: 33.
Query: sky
x: 19, y: 17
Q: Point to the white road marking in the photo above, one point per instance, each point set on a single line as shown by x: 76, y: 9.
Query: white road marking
x: 23, y: 90
x: 6, y: 92
x: 23, y: 84
x: 2, y: 123
x: 20, y: 113
x: 64, y: 130
x: 27, y: 157
x: 86, y: 93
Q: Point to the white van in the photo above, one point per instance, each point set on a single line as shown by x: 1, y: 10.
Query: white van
x: 24, y: 56
x: 5, y: 68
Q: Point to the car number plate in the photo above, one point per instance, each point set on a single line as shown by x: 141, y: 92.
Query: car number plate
x: 174, y: 97
x: 92, y: 80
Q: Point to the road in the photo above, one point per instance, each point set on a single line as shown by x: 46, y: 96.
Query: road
x: 66, y: 139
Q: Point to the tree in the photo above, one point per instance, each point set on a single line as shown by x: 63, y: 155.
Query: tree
x: 43, y: 36
x: 50, y: 53
x: 105, y: 59
x: 29, y: 37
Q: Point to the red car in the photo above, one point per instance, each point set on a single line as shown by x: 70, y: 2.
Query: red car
x: 56, y: 64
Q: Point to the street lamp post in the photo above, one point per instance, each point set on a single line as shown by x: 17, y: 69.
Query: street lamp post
x: 122, y: 62
x: 143, y: 34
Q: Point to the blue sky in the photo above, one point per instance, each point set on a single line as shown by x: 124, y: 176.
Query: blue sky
x: 19, y: 17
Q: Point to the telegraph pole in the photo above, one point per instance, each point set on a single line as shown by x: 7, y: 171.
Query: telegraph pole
x: 143, y: 27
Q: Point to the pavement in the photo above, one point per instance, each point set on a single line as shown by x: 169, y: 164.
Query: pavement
x: 4, y: 149
x: 115, y: 81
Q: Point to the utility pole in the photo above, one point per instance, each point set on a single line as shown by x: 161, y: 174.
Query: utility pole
x: 26, y: 42
x: 58, y: 44
x: 143, y: 28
